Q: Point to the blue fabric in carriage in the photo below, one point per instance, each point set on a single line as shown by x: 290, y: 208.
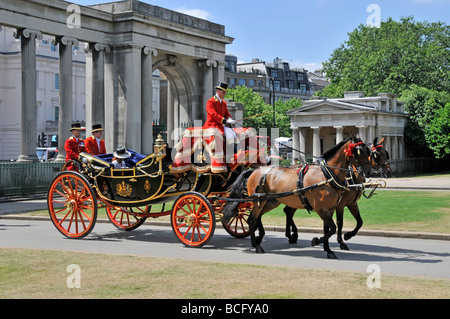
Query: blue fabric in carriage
x: 131, y: 161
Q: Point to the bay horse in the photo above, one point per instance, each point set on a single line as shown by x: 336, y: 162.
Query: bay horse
x: 323, y: 184
x: 379, y: 159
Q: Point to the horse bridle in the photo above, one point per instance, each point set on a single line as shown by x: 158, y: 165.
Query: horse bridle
x: 359, y: 147
x: 374, y: 153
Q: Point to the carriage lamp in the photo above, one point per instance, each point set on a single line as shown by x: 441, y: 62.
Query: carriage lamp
x: 160, y: 147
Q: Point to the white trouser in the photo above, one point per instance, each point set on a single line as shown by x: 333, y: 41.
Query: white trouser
x: 229, y: 134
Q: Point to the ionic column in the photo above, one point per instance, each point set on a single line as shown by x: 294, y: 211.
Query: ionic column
x: 362, y: 133
x: 147, y: 100
x: 95, y: 84
x: 316, y: 141
x: 65, y: 92
x: 28, y: 126
x: 339, y: 133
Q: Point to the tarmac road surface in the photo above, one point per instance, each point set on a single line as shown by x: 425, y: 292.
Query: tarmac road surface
x: 400, y: 256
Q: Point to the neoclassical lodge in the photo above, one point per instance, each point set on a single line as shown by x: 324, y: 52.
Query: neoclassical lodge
x: 322, y: 122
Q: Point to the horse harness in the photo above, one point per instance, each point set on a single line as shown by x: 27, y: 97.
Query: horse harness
x: 301, y: 190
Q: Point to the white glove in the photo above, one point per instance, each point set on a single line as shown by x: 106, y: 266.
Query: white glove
x: 230, y: 121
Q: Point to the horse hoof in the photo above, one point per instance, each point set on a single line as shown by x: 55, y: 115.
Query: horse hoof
x: 292, y: 240
x: 260, y: 250
x: 347, y: 236
x: 331, y: 255
x: 314, y: 242
x: 344, y: 247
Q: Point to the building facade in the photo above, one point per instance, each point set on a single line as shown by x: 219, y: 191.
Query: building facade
x: 321, y: 123
x: 125, y: 42
x: 275, y: 80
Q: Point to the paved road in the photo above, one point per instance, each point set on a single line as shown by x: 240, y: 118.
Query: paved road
x: 401, y: 256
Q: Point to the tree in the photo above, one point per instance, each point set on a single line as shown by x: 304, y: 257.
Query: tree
x: 426, y: 109
x: 437, y: 133
x: 391, y: 58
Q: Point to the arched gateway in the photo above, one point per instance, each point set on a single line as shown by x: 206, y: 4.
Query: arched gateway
x: 125, y: 42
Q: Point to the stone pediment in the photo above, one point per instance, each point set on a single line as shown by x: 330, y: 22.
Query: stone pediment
x: 329, y: 106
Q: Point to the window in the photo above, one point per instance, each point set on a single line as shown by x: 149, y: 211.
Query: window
x: 241, y: 81
x: 277, y: 85
x: 291, y: 84
x: 56, y: 113
x: 53, y: 47
x: 251, y: 82
x: 56, y: 81
x: 232, y: 81
x: 301, y: 77
x: 274, y: 73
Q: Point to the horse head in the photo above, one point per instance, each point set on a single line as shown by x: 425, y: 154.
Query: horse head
x: 358, y: 155
x: 379, y: 158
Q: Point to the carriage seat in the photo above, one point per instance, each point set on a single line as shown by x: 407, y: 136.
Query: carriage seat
x: 131, y: 161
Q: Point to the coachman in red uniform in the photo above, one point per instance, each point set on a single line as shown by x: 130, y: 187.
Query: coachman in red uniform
x: 95, y: 145
x: 74, y: 145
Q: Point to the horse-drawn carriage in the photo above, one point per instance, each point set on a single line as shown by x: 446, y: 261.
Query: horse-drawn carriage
x: 197, y: 178
x: 196, y: 181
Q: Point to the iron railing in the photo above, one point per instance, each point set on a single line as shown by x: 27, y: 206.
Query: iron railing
x: 26, y: 178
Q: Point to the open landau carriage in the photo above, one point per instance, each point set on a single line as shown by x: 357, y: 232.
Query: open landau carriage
x: 194, y: 176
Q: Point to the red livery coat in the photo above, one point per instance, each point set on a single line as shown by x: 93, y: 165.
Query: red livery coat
x: 216, y: 112
x: 92, y: 146
x: 73, y: 148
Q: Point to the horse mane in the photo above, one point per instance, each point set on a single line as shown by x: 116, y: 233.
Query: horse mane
x: 332, y: 151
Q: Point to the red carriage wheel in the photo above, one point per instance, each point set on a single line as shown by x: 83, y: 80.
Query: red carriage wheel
x: 72, y: 205
x: 193, y: 219
x: 238, y: 226
x: 127, y: 218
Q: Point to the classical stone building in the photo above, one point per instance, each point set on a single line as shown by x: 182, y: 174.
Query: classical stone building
x: 322, y: 123
x: 125, y: 42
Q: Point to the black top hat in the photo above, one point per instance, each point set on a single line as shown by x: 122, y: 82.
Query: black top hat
x: 96, y: 128
x: 76, y: 126
x: 222, y: 87
x: 121, y: 152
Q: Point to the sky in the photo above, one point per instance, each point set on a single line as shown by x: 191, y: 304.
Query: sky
x: 303, y: 33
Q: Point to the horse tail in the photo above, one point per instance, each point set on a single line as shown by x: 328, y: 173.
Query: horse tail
x: 237, y: 191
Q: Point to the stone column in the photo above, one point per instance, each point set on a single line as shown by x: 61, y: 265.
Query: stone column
x: 65, y: 92
x: 339, y: 134
x: 95, y: 84
x: 170, y: 116
x: 302, y: 143
x: 316, y: 141
x: 111, y: 104
x: 147, y: 100
x: 130, y: 97
x: 362, y: 133
x: 28, y: 127
x: 295, y: 144
x: 208, y: 85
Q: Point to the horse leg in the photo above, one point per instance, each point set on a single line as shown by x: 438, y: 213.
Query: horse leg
x: 354, y: 209
x: 289, y: 211
x: 340, y: 223
x: 254, y: 222
x: 329, y: 228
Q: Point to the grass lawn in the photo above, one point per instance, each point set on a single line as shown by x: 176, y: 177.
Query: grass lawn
x: 43, y: 274
x: 416, y: 211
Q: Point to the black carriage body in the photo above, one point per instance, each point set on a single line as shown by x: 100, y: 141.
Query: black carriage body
x: 148, y: 181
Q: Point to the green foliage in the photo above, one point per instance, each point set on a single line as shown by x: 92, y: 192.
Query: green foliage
x: 407, y: 58
x: 426, y: 128
x: 391, y: 58
x: 437, y: 134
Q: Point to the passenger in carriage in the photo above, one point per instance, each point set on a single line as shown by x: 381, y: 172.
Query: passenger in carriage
x: 217, y: 116
x: 120, y: 154
x: 95, y: 145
